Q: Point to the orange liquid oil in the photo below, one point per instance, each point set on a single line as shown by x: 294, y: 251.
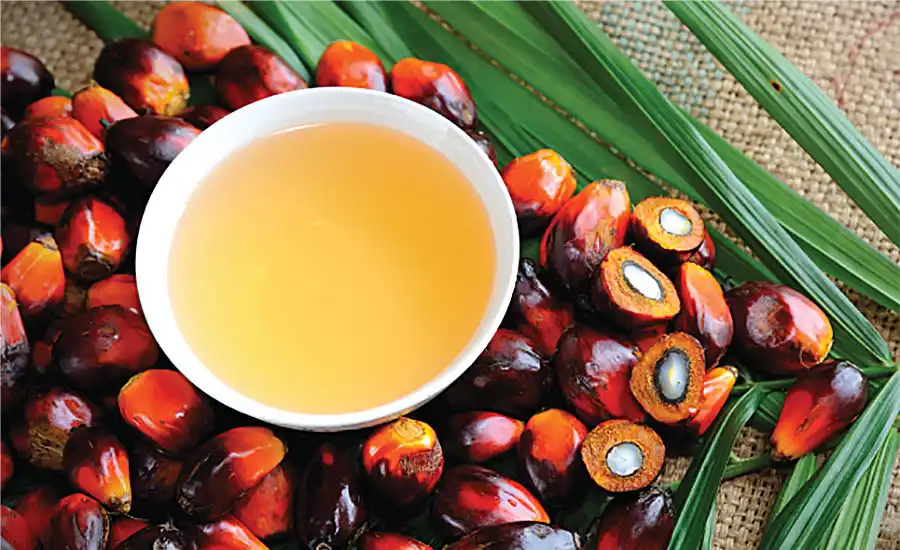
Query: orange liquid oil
x: 331, y: 268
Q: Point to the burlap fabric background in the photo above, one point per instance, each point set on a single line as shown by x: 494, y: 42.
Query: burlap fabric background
x: 849, y: 48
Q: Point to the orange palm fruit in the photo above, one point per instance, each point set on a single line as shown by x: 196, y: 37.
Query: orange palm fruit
x: 403, y: 461
x: 717, y: 385
x: 585, y: 229
x: 80, y: 523
x: 346, y: 63
x: 37, y: 507
x: 98, y: 108
x: 123, y: 527
x: 37, y: 278
x: 101, y: 348
x: 53, y: 105
x: 538, y: 311
x: 48, y: 419
x: 93, y: 239
x: 204, y: 116
x: 268, y: 509
x: 704, y: 311
x: 148, y: 79
x: 644, y: 520
x: 224, y: 468
x: 7, y: 466
x: 522, y: 535
x: 471, y: 497
x: 15, y: 372
x: 550, y: 455
x: 167, y: 409
x: 196, y: 34
x: 667, y: 230
x: 97, y: 464
x: 475, y: 437
x: 668, y: 380
x: 225, y: 532
x: 116, y: 290
x: 435, y: 86
x: 15, y: 532
x: 390, y: 541
x: 252, y: 72
x: 819, y: 405
x: 539, y: 183
x: 25, y: 79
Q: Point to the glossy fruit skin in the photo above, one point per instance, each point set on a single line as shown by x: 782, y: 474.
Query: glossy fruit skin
x: 435, y: 86
x: 226, y: 532
x: 519, y: 535
x: 250, y: 73
x: 116, y: 290
x: 204, y: 116
x: 550, y: 455
x: 6, y: 122
x: 484, y: 143
x: 15, y: 532
x: 101, y: 348
x: 644, y: 520
x: 654, y: 242
x: 15, y: 372
x: 348, y: 64
x: 54, y: 157
x: 25, y: 80
x: 538, y: 311
x: 196, y: 34
x: 37, y: 278
x: 403, y: 461
x: 18, y: 233
x: 704, y: 312
x: 509, y: 377
x: 121, y: 529
x: 7, y: 466
x: 717, y: 385
x: 390, y: 541
x: 471, y: 497
x: 474, y: 437
x: 777, y: 329
x: 539, y: 184
x: 705, y: 256
x: 53, y: 105
x: 48, y: 420
x: 224, y: 468
x: 820, y: 404
x: 166, y: 409
x: 140, y: 150
x: 154, y: 479
x: 97, y: 464
x: 93, y: 239
x: 585, y: 229
x: 98, y: 108
x: 268, y: 509
x: 79, y: 523
x: 329, y: 510
x: 158, y: 537
x: 36, y: 507
x: 148, y: 79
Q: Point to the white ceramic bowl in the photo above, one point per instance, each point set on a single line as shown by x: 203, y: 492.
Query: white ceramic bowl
x: 290, y: 110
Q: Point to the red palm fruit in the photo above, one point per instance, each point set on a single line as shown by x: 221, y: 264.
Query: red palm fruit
x: 117, y: 290
x: 154, y: 477
x: 159, y: 537
x: 54, y: 105
x: 79, y: 523
x: 97, y: 464
x: 54, y: 157
x: 50, y: 212
x: 15, y: 531
x: 147, y: 78
x: 19, y: 234
x: 484, y: 143
x: 98, y: 108
x: 226, y: 532
x: 820, y: 404
x: 403, y: 461
x: 224, y: 468
x: 268, y: 509
x: 549, y: 455
x: 204, y: 116
x: 25, y: 79
x: 435, y: 86
x: 15, y: 372
x: 539, y: 184
x: 196, y: 34
x: 37, y: 278
x: 478, y: 436
x: 705, y: 256
x: 537, y: 311
x: 593, y: 369
x: 329, y: 510
x: 509, y: 377
x: 103, y: 347
x: 668, y: 230
x: 6, y: 123
x: 93, y: 239
x: 470, y: 497
x: 167, y: 409
x: 7, y: 466
x: 644, y: 520
x: 717, y: 385
x: 37, y: 507
x: 48, y: 420
x: 348, y: 64
x: 585, y: 229
x: 123, y: 527
x: 777, y: 329
x: 704, y: 311
x: 390, y: 541
x: 520, y: 535
x: 140, y: 149
x: 42, y: 350
x: 250, y: 73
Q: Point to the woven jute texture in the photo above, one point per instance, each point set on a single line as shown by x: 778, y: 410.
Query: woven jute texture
x: 849, y: 48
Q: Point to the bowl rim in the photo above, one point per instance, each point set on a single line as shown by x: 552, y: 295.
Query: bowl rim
x: 152, y: 254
